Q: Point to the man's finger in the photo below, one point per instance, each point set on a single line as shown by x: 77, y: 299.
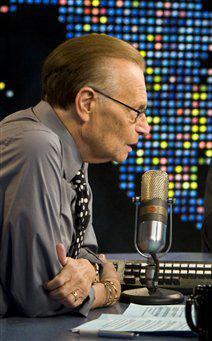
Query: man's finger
x: 61, y: 252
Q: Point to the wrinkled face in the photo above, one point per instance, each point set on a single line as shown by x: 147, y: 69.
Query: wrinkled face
x: 113, y: 128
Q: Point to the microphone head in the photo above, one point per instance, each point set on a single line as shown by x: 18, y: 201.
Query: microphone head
x: 152, y: 219
x: 154, y: 184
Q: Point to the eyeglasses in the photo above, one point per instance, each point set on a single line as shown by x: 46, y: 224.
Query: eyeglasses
x: 138, y: 112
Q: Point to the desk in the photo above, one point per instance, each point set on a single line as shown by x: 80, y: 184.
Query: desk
x: 57, y: 328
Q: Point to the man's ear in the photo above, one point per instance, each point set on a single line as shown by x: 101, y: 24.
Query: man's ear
x: 84, y: 103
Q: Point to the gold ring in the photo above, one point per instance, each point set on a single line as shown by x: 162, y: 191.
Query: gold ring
x: 74, y: 293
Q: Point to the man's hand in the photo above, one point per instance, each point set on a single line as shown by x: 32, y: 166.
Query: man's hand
x: 72, y: 285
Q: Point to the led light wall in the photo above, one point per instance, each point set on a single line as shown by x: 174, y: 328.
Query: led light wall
x: 174, y: 39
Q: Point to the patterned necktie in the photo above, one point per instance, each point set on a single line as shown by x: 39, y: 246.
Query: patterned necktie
x: 81, y: 209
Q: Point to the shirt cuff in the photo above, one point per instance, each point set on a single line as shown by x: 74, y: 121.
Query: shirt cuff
x: 87, y: 304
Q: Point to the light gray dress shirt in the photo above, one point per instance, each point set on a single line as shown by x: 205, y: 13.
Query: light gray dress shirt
x: 38, y: 160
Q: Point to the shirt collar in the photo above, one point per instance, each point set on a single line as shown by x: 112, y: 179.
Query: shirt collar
x: 72, y: 160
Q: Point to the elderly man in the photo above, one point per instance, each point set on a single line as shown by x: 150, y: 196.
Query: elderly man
x: 92, y: 111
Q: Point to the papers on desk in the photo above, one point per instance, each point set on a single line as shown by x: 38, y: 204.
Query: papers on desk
x: 137, y: 318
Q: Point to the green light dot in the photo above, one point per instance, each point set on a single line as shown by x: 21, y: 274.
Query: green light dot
x: 2, y: 85
x: 193, y: 177
x: 156, y: 119
x: 196, y: 96
x: 164, y: 144
x: 187, y: 145
x: 195, y: 137
x: 203, y: 129
x: 194, y: 169
x: 202, y: 120
x: 171, y: 185
x: 149, y: 70
x: 208, y: 153
x: 150, y: 37
x: 203, y: 96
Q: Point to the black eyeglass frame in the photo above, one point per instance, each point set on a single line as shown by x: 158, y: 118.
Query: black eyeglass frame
x: 139, y: 112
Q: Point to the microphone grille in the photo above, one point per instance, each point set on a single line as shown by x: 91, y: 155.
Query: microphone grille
x: 154, y: 184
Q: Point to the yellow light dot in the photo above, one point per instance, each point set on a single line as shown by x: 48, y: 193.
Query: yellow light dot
x: 171, y: 194
x: 139, y: 160
x: 150, y: 37
x: 195, y: 112
x: 103, y: 20
x: 187, y: 144
x: 178, y: 169
x: 194, y: 185
x: 155, y: 161
x: 143, y: 53
x: 157, y: 87
x: 140, y: 152
x: 149, y: 70
x: 195, y: 129
x: 2, y: 85
x: 164, y: 144
x: 203, y: 129
x: 202, y: 120
x: 149, y: 119
x: 186, y: 185
x: 157, y: 79
x: 208, y: 153
x: 195, y: 137
x: 171, y: 185
x: 156, y: 119
x: 95, y: 3
x: 196, y: 95
x: 203, y: 96
x: 87, y: 27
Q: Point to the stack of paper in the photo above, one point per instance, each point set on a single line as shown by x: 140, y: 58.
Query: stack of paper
x: 137, y: 318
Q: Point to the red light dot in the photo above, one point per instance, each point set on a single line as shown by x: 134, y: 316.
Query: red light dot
x: 4, y: 9
x: 87, y: 11
x: 180, y: 111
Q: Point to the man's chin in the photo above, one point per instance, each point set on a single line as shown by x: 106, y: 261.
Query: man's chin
x: 121, y: 158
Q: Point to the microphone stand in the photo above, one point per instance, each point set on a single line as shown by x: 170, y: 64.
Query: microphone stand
x: 152, y: 295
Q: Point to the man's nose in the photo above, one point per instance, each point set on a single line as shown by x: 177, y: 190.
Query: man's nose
x: 142, y: 126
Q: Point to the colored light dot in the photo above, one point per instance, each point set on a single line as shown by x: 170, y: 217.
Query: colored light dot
x: 87, y: 27
x: 157, y: 79
x: 203, y: 88
x: 9, y: 93
x: 195, y: 129
x: 171, y: 185
x: 135, y: 3
x: 2, y: 85
x: 193, y: 177
x: 103, y: 20
x: 164, y: 144
x: 195, y: 137
x: 178, y: 169
x: 143, y: 53
x: 149, y: 70
x: 194, y: 169
x: 155, y: 161
x: 203, y: 129
x: 157, y: 87
x: 186, y: 185
x: 95, y: 2
x: 209, y: 145
x: 139, y: 160
x: 171, y: 194
x: 203, y: 96
x: 150, y: 37
x: 149, y: 119
x: 208, y: 153
x: 202, y: 145
x: 196, y: 96
x: 187, y: 144
x: 202, y: 120
x: 195, y: 112
x: 194, y: 185
x: 201, y: 161
x: 4, y: 9
x: 140, y: 152
x: 156, y: 119
x: 180, y: 111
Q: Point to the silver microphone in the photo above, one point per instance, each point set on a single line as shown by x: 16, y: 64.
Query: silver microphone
x: 152, y: 215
